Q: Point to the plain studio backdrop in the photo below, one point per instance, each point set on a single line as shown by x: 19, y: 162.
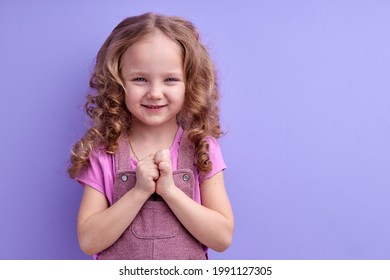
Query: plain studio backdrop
x: 305, y: 106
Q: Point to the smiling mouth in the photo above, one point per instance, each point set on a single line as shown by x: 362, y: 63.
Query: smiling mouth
x: 153, y: 106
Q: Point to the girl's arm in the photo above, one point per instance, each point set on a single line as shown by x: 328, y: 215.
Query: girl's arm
x: 212, y: 223
x: 98, y: 225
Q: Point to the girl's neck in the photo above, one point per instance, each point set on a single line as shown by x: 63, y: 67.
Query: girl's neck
x: 154, y: 133
x: 148, y: 140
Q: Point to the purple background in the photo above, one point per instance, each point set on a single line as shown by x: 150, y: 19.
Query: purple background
x: 306, y: 107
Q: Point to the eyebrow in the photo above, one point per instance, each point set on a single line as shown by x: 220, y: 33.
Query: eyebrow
x: 141, y: 73
x: 135, y: 73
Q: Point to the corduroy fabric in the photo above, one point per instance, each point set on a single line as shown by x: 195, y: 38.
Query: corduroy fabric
x: 155, y: 233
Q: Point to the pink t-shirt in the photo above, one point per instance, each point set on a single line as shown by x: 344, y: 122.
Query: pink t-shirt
x: 100, y: 173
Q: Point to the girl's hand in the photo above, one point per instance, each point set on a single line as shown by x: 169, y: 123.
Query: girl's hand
x: 165, y: 181
x: 147, y: 174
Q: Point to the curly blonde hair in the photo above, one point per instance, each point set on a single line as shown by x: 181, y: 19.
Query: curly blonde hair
x: 106, y: 105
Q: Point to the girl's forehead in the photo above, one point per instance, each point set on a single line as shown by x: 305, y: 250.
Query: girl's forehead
x: 153, y: 41
x: 156, y: 50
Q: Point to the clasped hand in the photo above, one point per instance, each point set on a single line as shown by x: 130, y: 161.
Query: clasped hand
x: 154, y: 173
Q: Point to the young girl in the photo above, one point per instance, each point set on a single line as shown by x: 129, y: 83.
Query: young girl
x: 150, y: 163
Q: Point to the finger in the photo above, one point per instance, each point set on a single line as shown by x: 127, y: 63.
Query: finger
x: 165, y: 168
x: 155, y: 176
x: 162, y: 155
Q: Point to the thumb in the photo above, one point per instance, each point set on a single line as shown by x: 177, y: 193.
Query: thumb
x: 164, y: 169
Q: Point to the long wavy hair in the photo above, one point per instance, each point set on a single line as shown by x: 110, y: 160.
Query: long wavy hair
x: 106, y: 100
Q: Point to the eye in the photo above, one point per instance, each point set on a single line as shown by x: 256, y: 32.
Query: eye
x: 172, y: 80
x: 139, y: 79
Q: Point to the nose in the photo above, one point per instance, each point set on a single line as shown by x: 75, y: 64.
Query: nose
x: 155, y: 91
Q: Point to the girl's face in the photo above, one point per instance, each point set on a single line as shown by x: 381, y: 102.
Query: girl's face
x: 152, y: 71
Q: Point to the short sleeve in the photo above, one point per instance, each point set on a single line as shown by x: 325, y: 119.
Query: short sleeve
x: 99, y: 173
x: 215, y: 156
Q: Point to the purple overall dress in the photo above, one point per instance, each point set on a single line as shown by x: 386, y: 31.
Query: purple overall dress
x: 155, y: 233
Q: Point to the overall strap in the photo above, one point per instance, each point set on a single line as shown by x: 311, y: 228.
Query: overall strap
x: 122, y: 156
x: 186, y: 153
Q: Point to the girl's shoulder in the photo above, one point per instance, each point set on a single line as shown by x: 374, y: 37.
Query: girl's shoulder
x: 215, y: 157
x: 99, y: 174
x: 212, y: 141
x: 100, y: 154
x: 100, y: 163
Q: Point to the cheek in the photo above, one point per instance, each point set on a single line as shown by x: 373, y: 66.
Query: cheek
x: 132, y: 93
x: 129, y: 101
x: 180, y: 96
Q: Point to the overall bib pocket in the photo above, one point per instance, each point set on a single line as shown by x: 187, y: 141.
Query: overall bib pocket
x: 155, y: 220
